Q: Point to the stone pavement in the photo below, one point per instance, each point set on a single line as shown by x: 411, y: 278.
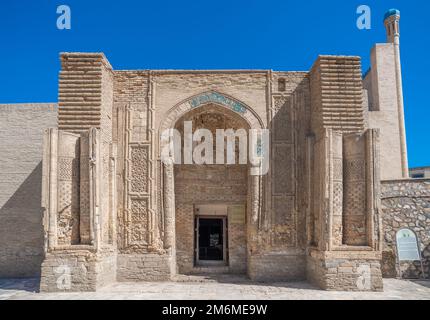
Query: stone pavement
x: 219, y: 287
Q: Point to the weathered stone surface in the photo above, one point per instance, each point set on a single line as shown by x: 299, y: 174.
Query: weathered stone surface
x: 405, y: 204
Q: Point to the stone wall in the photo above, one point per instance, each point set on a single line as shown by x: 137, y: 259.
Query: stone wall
x: 21, y: 231
x: 346, y: 270
x: 79, y: 269
x: 405, y: 204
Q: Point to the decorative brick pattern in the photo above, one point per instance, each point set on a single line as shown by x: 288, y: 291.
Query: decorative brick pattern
x: 139, y: 222
x: 68, y: 189
x: 139, y: 169
x: 355, y: 191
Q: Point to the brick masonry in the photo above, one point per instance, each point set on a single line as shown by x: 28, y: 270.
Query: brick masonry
x: 145, y: 267
x: 115, y: 211
x: 21, y: 231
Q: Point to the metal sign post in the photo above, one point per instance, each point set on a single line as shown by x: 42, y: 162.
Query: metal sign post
x: 408, y: 248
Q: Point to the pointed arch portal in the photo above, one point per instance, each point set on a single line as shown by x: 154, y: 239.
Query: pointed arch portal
x: 254, y: 192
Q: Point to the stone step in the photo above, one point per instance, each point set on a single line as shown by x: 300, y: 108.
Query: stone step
x: 215, y: 278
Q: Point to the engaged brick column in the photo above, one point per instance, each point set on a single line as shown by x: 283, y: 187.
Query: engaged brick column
x: 346, y: 255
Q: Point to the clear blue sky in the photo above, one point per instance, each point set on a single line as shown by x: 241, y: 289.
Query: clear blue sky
x: 217, y: 34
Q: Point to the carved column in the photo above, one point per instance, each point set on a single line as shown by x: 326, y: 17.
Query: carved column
x: 94, y: 176
x: 255, y: 198
x: 49, y: 188
x: 169, y: 205
x: 310, y: 219
x: 336, y: 188
x: 373, y: 190
x: 112, y: 196
x: 84, y: 198
x: 255, y: 223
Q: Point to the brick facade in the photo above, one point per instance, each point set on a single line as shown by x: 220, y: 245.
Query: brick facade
x: 113, y: 210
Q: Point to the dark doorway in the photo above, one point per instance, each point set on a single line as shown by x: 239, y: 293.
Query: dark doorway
x: 210, y: 239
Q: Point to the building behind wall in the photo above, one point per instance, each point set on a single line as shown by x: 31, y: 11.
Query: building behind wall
x: 420, y: 173
x: 113, y: 211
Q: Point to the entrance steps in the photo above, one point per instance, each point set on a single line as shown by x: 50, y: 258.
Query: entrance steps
x: 210, y: 270
x: 205, y: 278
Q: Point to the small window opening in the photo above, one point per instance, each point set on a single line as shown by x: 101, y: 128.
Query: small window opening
x: 281, y: 85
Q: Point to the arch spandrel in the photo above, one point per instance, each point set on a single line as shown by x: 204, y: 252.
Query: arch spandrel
x: 212, y: 97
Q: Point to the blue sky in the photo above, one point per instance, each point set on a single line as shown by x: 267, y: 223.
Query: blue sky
x: 217, y: 34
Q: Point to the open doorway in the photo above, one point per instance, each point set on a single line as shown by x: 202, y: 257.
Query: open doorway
x: 211, y: 240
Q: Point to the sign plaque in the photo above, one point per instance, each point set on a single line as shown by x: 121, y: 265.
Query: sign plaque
x: 408, y: 248
x: 407, y: 245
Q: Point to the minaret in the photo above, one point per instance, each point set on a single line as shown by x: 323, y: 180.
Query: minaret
x: 392, y: 24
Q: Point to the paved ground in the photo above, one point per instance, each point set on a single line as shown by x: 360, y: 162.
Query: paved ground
x: 227, y: 287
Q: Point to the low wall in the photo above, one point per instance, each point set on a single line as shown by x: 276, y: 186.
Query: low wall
x: 405, y: 204
x: 78, y: 269
x: 145, y: 267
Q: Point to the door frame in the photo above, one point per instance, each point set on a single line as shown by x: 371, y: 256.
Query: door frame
x: 222, y: 262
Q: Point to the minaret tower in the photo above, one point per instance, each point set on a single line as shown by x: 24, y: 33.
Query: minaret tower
x: 392, y: 25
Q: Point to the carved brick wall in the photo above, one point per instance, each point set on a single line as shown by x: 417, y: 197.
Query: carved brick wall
x: 68, y: 189
x: 84, y: 197
x: 283, y: 167
x: 140, y: 225
x: 355, y: 190
x: 138, y: 219
x: 138, y: 222
x: 337, y: 185
x: 289, y: 125
x: 86, y: 101
x: 139, y: 169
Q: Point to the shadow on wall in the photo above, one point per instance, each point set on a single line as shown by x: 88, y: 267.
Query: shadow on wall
x: 21, y: 229
x: 28, y: 284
